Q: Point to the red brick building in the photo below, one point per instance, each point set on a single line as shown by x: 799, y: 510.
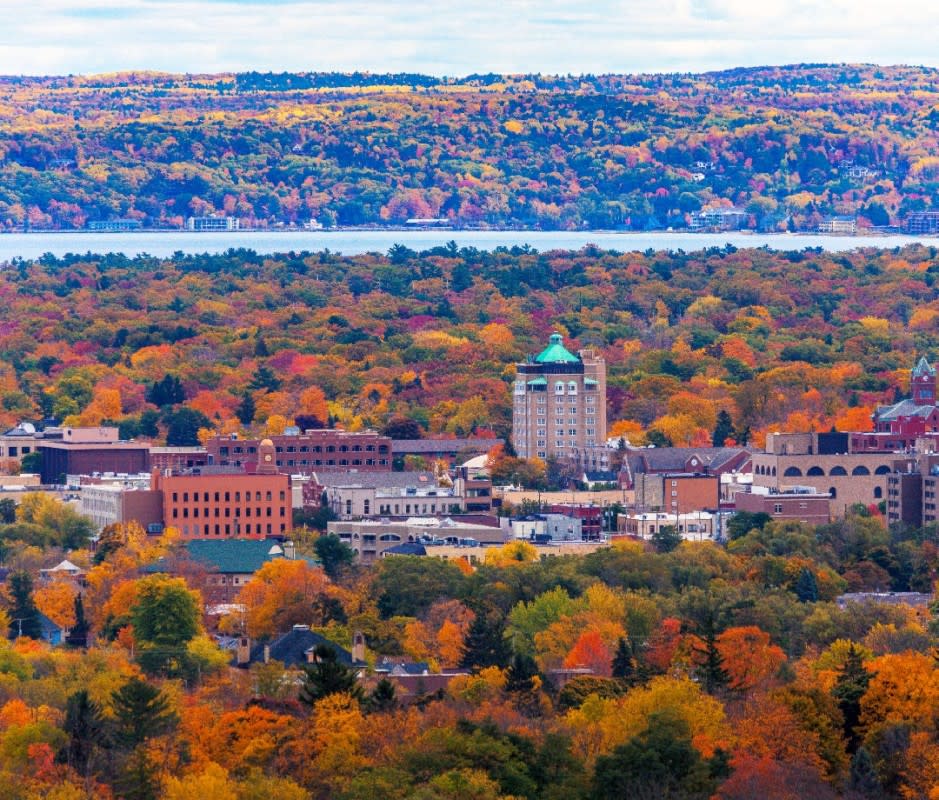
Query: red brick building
x: 312, y: 451
x: 177, y: 458
x: 236, y: 505
x: 83, y: 451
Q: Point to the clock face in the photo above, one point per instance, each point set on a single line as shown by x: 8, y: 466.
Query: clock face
x: 267, y: 457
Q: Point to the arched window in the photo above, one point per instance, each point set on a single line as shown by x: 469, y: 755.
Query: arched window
x: 878, y: 493
x: 815, y: 471
x: 860, y: 470
x: 774, y: 472
x: 838, y: 471
x: 883, y: 469
x: 559, y: 387
x: 571, y: 387
x: 833, y: 492
x: 792, y: 472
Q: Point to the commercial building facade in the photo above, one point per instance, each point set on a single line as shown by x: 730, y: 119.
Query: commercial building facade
x: 805, y: 505
x: 84, y: 451
x: 304, y: 453
x: 677, y: 493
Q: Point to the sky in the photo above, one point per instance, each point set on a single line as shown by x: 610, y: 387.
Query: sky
x: 448, y: 37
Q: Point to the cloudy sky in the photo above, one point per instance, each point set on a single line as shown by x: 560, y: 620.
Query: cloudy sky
x: 457, y: 37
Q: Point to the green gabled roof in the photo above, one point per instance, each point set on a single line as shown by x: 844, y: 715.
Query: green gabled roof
x: 590, y: 382
x: 556, y: 352
x: 243, y: 556
x: 538, y: 382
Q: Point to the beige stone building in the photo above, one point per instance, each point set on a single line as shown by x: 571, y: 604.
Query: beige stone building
x: 821, y: 461
x: 559, y: 405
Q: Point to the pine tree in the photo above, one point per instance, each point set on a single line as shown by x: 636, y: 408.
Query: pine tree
x: 141, y: 712
x: 485, y: 644
x: 711, y: 671
x: 850, y: 687
x: 24, y: 616
x: 78, y: 635
x: 521, y: 674
x: 383, y: 697
x: 723, y: 430
x: 623, y: 666
x: 87, y: 732
x: 807, y: 586
x: 328, y: 675
x: 246, y: 409
x: 863, y: 778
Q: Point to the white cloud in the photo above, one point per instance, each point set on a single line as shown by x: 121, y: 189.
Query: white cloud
x: 454, y: 38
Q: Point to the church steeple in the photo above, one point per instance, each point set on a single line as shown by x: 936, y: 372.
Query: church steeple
x: 923, y: 383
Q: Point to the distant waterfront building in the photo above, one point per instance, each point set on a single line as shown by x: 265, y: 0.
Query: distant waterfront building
x: 114, y: 225
x: 844, y: 226
x: 559, y: 404
x: 920, y: 222
x: 212, y: 224
x: 718, y: 219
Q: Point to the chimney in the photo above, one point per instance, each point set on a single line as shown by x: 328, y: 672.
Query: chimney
x: 358, y: 646
x: 243, y: 653
x: 290, y: 549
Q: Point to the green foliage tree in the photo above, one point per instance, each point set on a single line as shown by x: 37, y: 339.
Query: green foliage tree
x: 659, y: 762
x: 31, y: 463
x: 807, y: 586
x: 166, y: 617
x: 850, y: 687
x: 24, y: 616
x: 723, y: 430
x: 141, y: 712
x: 7, y: 511
x: 666, y: 539
x: 327, y: 675
x: 409, y: 585
x: 333, y: 553
x: 78, y: 633
x: 182, y: 427
x: 88, y: 732
x: 383, y: 697
x: 246, y: 409
x: 485, y: 643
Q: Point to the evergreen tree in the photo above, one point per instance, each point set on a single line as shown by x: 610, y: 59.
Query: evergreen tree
x: 863, y: 778
x: 24, y: 616
x: 333, y: 553
x: 711, y: 671
x: 383, y: 697
x: 87, y: 732
x: 328, y: 675
x: 666, y: 539
x: 183, y: 427
x: 485, y: 644
x: 624, y: 666
x: 8, y: 507
x: 850, y: 687
x: 807, y: 586
x: 264, y: 378
x: 148, y: 423
x: 141, y: 712
x: 139, y: 779
x: 260, y: 348
x: 723, y: 430
x: 521, y: 674
x: 659, y: 762
x: 78, y: 635
x: 246, y: 409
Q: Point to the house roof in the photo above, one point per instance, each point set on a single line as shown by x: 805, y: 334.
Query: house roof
x: 375, y: 480
x: 419, y: 446
x: 406, y: 549
x: 556, y: 352
x: 923, y: 367
x: 905, y: 408
x: 678, y: 459
x: 601, y: 476
x: 292, y: 647
x: 243, y: 556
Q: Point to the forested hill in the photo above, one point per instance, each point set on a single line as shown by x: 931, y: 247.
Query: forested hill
x: 788, y: 144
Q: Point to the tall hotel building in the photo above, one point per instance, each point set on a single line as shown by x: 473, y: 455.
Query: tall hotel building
x: 559, y: 405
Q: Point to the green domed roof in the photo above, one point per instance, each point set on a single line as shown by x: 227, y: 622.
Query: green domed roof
x: 556, y: 352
